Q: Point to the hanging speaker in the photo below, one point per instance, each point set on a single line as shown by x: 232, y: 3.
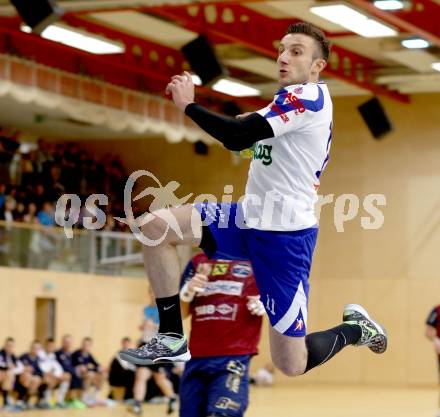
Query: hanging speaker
x: 203, y: 60
x: 374, y: 116
x: 38, y: 14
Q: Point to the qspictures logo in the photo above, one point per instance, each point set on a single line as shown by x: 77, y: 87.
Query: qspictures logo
x: 346, y: 208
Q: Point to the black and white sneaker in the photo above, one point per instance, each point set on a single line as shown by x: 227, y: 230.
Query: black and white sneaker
x: 136, y: 408
x: 373, y: 335
x: 164, y: 347
x: 172, y: 405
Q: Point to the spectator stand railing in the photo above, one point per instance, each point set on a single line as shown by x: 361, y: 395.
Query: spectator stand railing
x: 25, y: 245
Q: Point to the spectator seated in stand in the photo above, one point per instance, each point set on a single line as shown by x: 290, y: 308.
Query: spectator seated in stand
x: 10, y: 370
x: 54, y: 376
x: 121, y: 375
x: 30, y: 382
x: 89, y: 371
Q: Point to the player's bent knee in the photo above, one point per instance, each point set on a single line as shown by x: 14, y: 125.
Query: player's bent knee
x: 155, y: 229
x: 291, y: 369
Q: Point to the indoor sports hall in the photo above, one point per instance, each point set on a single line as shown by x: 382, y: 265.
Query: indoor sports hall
x: 91, y: 142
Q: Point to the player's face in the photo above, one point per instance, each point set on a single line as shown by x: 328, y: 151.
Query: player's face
x: 298, y: 60
x: 67, y: 343
x: 87, y: 346
x: 50, y: 347
x: 9, y: 346
x: 35, y: 348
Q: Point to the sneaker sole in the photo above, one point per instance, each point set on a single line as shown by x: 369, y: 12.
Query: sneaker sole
x: 379, y: 343
x: 185, y: 357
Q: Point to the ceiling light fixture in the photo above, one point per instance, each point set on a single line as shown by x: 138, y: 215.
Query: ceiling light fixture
x: 235, y: 88
x: 353, y: 20
x: 389, y: 4
x: 415, y: 43
x: 79, y: 39
x: 436, y: 66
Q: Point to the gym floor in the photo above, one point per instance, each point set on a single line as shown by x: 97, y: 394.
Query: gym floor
x: 302, y: 401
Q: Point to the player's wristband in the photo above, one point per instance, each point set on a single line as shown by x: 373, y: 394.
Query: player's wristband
x: 185, y: 294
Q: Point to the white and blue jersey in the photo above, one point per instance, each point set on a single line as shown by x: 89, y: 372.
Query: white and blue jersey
x: 284, y: 174
x: 275, y: 226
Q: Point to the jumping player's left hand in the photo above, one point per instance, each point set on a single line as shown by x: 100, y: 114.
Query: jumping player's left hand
x: 181, y: 88
x: 255, y: 306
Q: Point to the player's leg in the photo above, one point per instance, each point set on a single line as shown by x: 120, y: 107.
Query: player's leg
x: 100, y: 376
x: 87, y: 385
x: 75, y: 388
x: 9, y: 382
x: 24, y: 385
x: 228, y: 391
x: 183, y: 225
x: 163, y: 382
x: 193, y: 389
x: 281, y: 263
x: 50, y: 382
x: 297, y: 355
x: 165, y: 229
x: 62, y: 389
x: 143, y: 374
x: 34, y: 388
x: 168, y: 228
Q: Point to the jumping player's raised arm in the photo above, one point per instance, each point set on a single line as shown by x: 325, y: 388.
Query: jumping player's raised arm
x: 291, y: 109
x: 235, y: 134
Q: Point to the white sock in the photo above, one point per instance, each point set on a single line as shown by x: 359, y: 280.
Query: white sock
x: 62, y: 391
x: 88, y: 396
x: 85, y: 397
x: 94, y: 394
x: 48, y: 394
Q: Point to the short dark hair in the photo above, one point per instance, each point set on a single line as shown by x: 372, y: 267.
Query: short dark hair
x: 9, y: 339
x: 50, y: 340
x: 315, y: 33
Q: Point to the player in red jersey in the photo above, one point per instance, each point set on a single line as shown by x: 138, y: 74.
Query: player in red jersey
x: 225, y: 307
x: 433, y: 334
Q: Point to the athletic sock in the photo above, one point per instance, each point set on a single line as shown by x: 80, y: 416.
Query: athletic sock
x: 48, y: 395
x: 170, y: 319
x: 7, y: 400
x: 62, y: 391
x: 322, y: 346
